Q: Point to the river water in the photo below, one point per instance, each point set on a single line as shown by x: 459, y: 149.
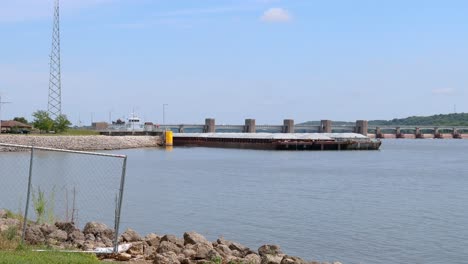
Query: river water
x: 407, y: 203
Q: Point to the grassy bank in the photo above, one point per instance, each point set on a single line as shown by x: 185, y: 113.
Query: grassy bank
x: 12, y: 252
x: 28, y: 256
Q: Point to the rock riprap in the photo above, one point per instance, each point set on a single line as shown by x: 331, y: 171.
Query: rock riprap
x: 82, y: 143
x: 193, y: 248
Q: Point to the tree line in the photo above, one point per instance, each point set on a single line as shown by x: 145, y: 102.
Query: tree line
x: 455, y: 119
x: 45, y: 123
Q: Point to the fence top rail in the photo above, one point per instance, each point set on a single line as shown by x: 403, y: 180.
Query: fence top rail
x: 64, y: 150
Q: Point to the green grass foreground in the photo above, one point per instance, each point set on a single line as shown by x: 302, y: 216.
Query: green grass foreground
x: 49, y: 257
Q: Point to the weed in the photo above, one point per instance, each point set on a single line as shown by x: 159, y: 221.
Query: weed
x: 236, y: 262
x: 39, y: 203
x: 42, y: 207
x: 217, y: 260
x: 9, y: 238
x: 11, y: 233
x: 10, y: 214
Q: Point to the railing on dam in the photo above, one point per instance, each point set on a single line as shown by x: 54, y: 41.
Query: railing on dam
x: 325, y: 126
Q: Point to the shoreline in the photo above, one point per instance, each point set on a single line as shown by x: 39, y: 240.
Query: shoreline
x: 191, y: 248
x: 80, y: 143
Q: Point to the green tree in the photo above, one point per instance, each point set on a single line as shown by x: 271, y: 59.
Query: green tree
x: 61, y: 123
x: 42, y: 121
x: 21, y: 120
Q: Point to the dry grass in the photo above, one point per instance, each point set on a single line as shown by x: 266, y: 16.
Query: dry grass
x: 8, y: 245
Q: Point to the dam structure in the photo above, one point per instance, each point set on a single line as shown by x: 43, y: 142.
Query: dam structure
x: 291, y: 136
x: 326, y: 126
x: 285, y: 137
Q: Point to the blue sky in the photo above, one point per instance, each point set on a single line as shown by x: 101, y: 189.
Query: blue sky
x: 237, y: 59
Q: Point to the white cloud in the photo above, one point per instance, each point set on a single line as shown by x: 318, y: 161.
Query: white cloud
x: 443, y: 91
x: 276, y: 15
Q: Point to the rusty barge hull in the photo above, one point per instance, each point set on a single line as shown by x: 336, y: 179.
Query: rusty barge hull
x: 264, y: 141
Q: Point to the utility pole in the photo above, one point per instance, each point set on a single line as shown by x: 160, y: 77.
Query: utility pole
x: 1, y: 103
x: 54, y: 106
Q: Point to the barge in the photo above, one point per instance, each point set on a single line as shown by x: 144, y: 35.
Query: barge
x: 278, y: 141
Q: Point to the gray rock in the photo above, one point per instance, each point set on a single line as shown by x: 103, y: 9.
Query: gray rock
x: 213, y: 255
x: 269, y: 250
x: 137, y: 248
x: 271, y: 259
x: 232, y: 259
x: 98, y: 230
x: 166, y: 246
x: 252, y: 259
x: 186, y: 261
x: 223, y: 250
x: 123, y: 257
x: 188, y: 252
x: 90, y: 237
x: 166, y: 258
x: 194, y: 238
x: 88, y: 245
x: 181, y: 257
x: 66, y: 226
x: 76, y: 235
x: 237, y: 253
x: 131, y: 235
x: 3, y: 213
x: 173, y: 239
x: 292, y: 260
x: 222, y: 241
x: 47, y: 229
x: 78, y: 243
x: 99, y: 244
x: 7, y: 223
x: 107, y: 241
x: 152, y: 240
x: 34, y: 235
x: 238, y: 247
x: 58, y: 235
x: 149, y: 252
x: 202, y: 251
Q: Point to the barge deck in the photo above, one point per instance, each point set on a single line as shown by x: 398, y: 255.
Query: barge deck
x: 278, y: 141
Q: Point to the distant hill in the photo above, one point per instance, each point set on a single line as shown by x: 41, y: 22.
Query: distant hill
x: 460, y: 119
x: 335, y: 123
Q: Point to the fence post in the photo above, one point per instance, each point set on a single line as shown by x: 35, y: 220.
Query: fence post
x: 25, y: 219
x: 119, y: 206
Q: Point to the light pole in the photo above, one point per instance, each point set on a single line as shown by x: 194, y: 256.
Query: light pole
x: 164, y: 115
x: 1, y: 103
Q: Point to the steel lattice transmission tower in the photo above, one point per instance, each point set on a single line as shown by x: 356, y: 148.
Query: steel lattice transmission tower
x: 55, y: 83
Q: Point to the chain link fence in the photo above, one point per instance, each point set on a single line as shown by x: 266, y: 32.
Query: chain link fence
x: 48, y: 185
